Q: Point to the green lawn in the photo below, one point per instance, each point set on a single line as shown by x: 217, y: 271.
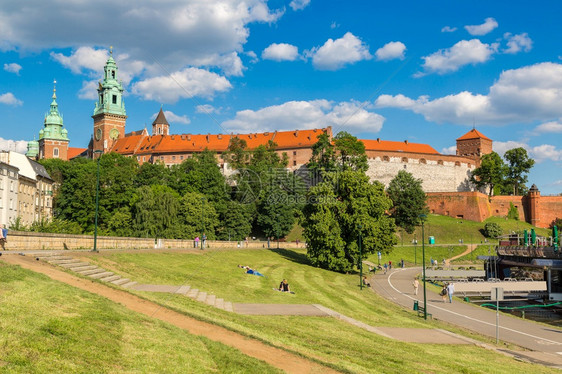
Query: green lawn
x: 50, y: 327
x: 412, y: 255
x: 340, y: 345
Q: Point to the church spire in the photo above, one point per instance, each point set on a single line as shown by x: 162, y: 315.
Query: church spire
x: 110, y: 90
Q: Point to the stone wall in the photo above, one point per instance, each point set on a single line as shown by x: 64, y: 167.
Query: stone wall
x: 476, y: 206
x: 20, y: 241
x: 439, y: 174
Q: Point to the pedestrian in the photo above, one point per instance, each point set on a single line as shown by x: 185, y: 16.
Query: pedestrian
x: 416, y: 285
x: 246, y: 242
x: 402, y: 263
x: 197, y: 242
x: 385, y: 267
x: 443, y: 292
x: 203, y: 241
x: 389, y: 265
x: 297, y: 243
x: 450, y: 291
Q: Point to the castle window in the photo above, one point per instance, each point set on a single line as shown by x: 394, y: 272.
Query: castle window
x: 295, y: 163
x: 181, y: 157
x: 173, y: 158
x: 386, y: 158
x: 160, y: 131
x: 114, y: 99
x: 113, y: 74
x: 55, y: 152
x: 404, y: 159
x: 294, y: 153
x: 422, y: 161
x: 457, y: 163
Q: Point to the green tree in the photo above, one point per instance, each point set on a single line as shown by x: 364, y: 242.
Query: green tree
x: 340, y: 208
x: 197, y: 216
x: 491, y: 172
x: 351, y: 152
x: 323, y: 157
x: 408, y: 200
x: 492, y: 230
x: 235, y: 222
x: 149, y: 174
x: 518, y: 165
x: 156, y: 212
x: 512, y: 213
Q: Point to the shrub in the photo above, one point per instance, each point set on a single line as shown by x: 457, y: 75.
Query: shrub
x: 492, y: 230
x: 512, y: 213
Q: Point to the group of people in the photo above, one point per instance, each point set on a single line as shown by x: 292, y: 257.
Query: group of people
x: 203, y: 241
x: 448, y: 289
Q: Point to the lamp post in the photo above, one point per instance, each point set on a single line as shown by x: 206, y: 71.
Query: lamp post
x: 99, y: 152
x: 415, y: 242
x: 360, y: 260
x: 202, y: 222
x: 423, y: 217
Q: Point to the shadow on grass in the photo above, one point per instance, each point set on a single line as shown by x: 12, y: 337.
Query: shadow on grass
x: 299, y: 258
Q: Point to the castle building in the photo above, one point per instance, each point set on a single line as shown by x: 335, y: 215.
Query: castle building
x: 474, y: 145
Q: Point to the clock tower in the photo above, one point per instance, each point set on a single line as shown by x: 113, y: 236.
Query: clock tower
x: 109, y: 113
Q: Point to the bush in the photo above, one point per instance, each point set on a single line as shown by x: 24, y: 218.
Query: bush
x: 492, y: 230
x: 512, y: 213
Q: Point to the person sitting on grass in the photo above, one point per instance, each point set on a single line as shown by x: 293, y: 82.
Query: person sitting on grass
x: 284, y: 286
x: 366, y: 282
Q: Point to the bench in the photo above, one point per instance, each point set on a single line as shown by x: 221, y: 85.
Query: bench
x: 421, y: 310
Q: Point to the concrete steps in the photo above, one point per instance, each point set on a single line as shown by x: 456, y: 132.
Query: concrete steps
x: 95, y: 272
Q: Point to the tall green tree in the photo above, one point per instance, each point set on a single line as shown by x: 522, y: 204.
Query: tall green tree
x: 491, y: 172
x: 156, y: 212
x: 350, y: 152
x: 197, y: 216
x: 408, y: 200
x: 518, y: 166
x: 323, y: 157
x: 340, y: 209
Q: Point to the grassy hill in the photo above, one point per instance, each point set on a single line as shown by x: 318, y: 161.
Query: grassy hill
x: 340, y: 345
x: 50, y: 327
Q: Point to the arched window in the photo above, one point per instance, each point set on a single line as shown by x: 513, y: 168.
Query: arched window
x: 386, y: 158
x: 422, y: 161
x: 404, y: 159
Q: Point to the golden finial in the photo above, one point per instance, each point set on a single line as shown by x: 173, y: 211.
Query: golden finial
x: 111, y: 50
x: 54, y: 89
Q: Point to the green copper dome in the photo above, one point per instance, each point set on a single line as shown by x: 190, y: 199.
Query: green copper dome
x: 53, y: 122
x: 110, y: 91
x: 32, y: 149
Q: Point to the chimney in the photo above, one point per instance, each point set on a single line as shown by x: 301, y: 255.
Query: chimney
x: 219, y: 136
x: 405, y: 142
x: 208, y: 136
x: 188, y: 136
x: 296, y: 133
x: 378, y: 140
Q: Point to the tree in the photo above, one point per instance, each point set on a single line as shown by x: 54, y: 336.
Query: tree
x: 490, y: 173
x: 351, y: 152
x: 156, y: 212
x: 492, y: 230
x: 323, y: 157
x: 235, y: 222
x: 408, y: 200
x: 197, y: 216
x: 339, y: 209
x: 518, y: 165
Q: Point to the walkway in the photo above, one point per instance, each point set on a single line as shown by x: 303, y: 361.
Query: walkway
x: 545, y: 342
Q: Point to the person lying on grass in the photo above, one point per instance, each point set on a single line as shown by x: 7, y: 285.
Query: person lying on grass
x: 249, y: 270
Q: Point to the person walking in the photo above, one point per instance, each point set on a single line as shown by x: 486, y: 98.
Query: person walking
x: 416, y: 285
x: 443, y: 292
x: 196, y: 242
x: 450, y: 291
x: 203, y: 241
x: 385, y: 267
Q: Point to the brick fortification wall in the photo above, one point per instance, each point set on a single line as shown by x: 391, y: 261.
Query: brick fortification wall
x: 20, y: 241
x: 475, y: 206
x: 439, y: 173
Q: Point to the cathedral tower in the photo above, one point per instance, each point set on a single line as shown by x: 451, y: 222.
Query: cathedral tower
x: 109, y: 113
x: 160, y: 126
x: 474, y: 144
x: 53, y: 138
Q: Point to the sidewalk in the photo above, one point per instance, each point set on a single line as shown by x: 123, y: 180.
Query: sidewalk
x: 544, y: 340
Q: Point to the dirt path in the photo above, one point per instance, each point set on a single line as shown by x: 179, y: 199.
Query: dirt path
x: 274, y: 356
x: 470, y: 248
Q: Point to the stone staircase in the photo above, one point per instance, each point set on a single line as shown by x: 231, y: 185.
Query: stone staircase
x: 96, y: 272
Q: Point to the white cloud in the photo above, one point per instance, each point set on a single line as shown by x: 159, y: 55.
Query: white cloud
x: 546, y: 152
x: 253, y: 57
x: 518, y: 43
x: 391, y: 51
x: 299, y: 4
x: 206, y: 109
x: 174, y: 118
x: 280, y: 52
x: 462, y: 53
x: 13, y: 68
x: 308, y: 115
x: 540, y: 153
x: 528, y: 94
x: 549, y: 127
x: 83, y: 58
x: 334, y: 25
x: 9, y: 99
x: 89, y: 90
x: 175, y: 33
x: 448, y: 29
x: 557, y: 183
x: 19, y: 146
x: 483, y: 29
x: 452, y: 150
x: 186, y: 83
x: 335, y: 54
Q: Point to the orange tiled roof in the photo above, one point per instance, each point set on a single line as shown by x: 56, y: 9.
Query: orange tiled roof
x: 192, y: 143
x: 75, y: 152
x: 405, y: 146
x: 473, y: 134
x: 127, y: 145
x: 297, y: 138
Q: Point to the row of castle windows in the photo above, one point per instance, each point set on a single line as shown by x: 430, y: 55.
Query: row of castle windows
x: 421, y: 161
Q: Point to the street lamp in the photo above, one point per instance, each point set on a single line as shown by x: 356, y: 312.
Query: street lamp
x: 423, y: 217
x: 99, y: 152
x: 202, y: 222
x: 415, y: 242
x: 360, y: 261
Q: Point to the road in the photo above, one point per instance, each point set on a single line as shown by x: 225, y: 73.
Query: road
x: 545, y: 341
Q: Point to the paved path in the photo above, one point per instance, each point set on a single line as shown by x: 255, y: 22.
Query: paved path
x: 545, y: 341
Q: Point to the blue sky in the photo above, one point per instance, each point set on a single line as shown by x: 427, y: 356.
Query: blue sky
x: 425, y: 71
